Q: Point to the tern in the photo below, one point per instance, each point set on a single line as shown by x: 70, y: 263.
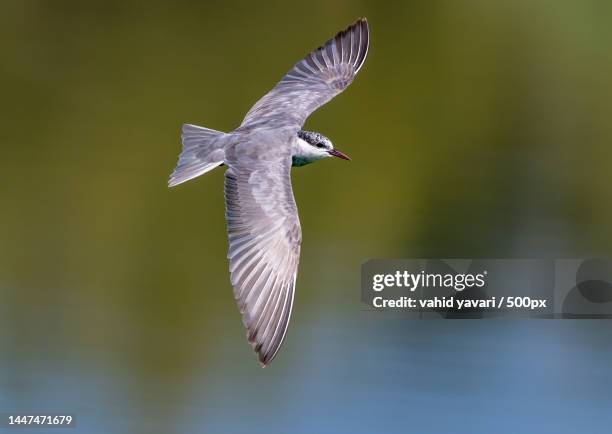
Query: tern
x: 262, y: 219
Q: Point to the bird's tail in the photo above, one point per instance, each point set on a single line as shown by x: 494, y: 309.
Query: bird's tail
x: 203, y: 150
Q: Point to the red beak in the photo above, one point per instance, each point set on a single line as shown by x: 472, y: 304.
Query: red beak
x: 336, y: 153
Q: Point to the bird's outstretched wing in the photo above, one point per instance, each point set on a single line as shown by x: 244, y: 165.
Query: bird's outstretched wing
x: 264, y: 249
x: 313, y: 81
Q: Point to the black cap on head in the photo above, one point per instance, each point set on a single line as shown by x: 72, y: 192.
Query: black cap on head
x: 315, y: 139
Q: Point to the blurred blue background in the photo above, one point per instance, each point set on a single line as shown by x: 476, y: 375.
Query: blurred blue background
x: 477, y: 129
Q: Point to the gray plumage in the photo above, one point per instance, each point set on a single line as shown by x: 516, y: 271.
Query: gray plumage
x: 313, y: 81
x: 262, y: 220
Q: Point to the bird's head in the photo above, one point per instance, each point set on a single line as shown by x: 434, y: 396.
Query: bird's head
x: 313, y: 146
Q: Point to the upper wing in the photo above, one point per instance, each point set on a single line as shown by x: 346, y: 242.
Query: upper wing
x: 313, y: 81
x: 264, y: 250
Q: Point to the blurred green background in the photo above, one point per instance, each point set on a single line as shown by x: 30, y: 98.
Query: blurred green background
x: 477, y: 129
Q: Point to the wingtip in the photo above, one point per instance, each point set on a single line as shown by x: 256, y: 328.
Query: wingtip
x: 361, y: 26
x: 263, y: 360
x: 263, y: 357
x: 361, y: 21
x: 173, y: 180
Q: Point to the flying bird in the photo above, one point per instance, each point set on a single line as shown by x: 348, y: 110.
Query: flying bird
x: 262, y: 219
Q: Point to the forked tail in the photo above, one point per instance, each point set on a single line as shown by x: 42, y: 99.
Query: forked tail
x: 203, y: 150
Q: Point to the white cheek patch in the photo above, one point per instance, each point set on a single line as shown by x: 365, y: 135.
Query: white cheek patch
x: 308, y: 152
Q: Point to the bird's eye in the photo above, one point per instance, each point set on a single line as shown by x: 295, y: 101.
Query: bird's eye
x: 320, y: 145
